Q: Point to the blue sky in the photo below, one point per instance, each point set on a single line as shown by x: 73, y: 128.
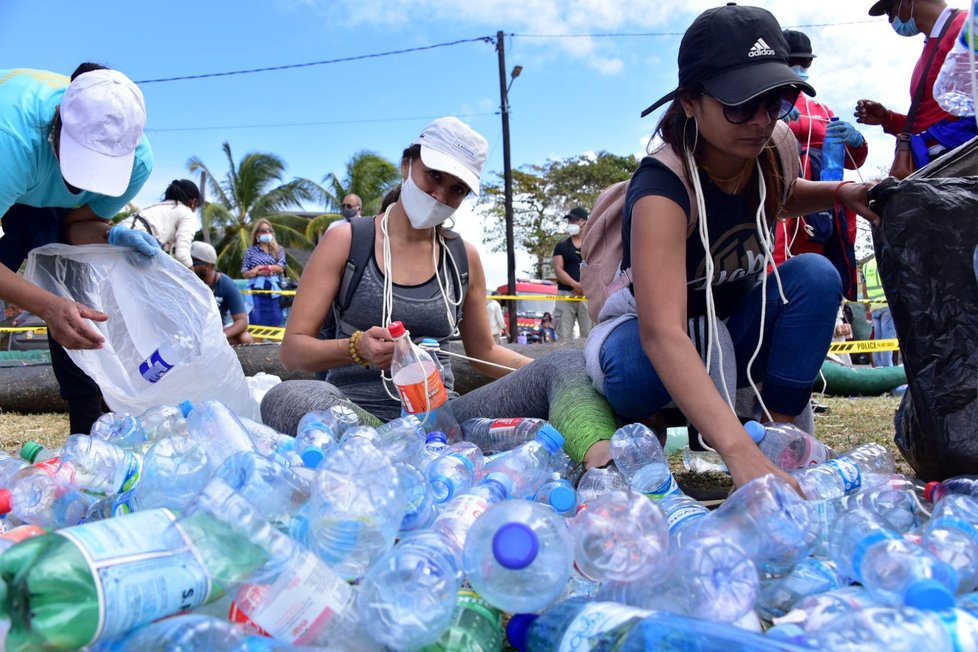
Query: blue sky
x: 577, y: 94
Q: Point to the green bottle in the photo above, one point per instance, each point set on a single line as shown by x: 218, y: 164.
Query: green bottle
x: 476, y: 626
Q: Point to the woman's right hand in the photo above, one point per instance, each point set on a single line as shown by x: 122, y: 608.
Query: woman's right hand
x: 376, y: 347
x: 746, y: 462
x: 869, y: 112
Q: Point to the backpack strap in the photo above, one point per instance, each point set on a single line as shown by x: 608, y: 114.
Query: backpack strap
x: 456, y: 246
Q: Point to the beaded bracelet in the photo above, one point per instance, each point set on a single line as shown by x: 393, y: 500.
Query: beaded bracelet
x: 353, y: 349
x: 835, y: 195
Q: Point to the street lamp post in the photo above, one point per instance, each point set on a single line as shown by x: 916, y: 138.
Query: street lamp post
x: 508, y: 183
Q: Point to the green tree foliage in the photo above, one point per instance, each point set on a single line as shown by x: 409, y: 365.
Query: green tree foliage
x: 252, y: 189
x: 368, y: 175
x: 542, y: 195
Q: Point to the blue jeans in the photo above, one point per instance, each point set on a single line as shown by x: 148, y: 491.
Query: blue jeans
x: 883, y: 330
x: 796, y: 339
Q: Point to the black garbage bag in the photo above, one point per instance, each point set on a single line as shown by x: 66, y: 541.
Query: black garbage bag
x: 924, y: 250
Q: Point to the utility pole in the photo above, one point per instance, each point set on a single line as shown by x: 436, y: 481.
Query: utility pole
x: 508, y: 189
x: 203, y: 199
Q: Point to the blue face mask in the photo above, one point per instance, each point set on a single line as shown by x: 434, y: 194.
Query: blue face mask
x: 908, y: 28
x: 265, y: 238
x: 801, y: 72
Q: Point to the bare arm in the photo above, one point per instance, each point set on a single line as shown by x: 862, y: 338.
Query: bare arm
x: 238, y: 326
x: 659, y: 230
x: 82, y: 226
x: 813, y: 196
x: 301, y: 346
x: 476, y: 336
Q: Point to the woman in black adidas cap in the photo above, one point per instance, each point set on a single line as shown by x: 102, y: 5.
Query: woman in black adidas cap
x: 717, y: 184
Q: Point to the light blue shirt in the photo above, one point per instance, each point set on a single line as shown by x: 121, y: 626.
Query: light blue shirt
x: 29, y: 170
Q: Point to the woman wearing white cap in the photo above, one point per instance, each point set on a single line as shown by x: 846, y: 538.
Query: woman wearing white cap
x: 416, y: 275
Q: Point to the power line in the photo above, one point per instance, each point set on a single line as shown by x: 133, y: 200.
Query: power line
x: 360, y: 57
x: 646, y: 34
x: 316, y: 123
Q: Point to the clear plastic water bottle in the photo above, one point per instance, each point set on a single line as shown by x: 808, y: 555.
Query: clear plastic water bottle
x: 810, y: 576
x: 954, y: 87
x: 9, y: 465
x: 162, y: 421
x: 184, y: 632
x: 844, y: 474
x: 38, y: 495
x: 816, y: 611
x: 517, y: 556
x: 868, y: 551
x: 98, y: 466
x: 400, y: 439
x: 314, y: 438
x: 951, y: 535
x: 409, y: 594
x: 459, y: 467
x: 573, y: 624
x: 435, y: 444
x: 559, y: 494
x: 342, y: 417
x: 900, y: 510
x: 497, y: 435
x: 180, y: 349
x: 639, y: 456
x: 217, y: 429
x: 597, y: 481
x: 788, y: 446
x: 898, y: 630
x: 769, y: 520
x: 684, y: 515
x: 356, y: 508
x: 35, y: 453
x: 266, y: 440
x: 529, y: 465
x: 420, y: 507
x: 175, y: 470
x: 120, y: 429
x: 420, y: 384
x: 962, y: 484
x: 833, y: 158
x: 273, y: 490
x: 622, y: 535
x: 455, y: 519
x: 476, y: 626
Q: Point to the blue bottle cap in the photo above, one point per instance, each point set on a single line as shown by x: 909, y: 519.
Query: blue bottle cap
x: 562, y: 498
x: 550, y: 438
x: 929, y: 595
x: 313, y: 456
x: 185, y: 408
x: 755, y: 430
x: 518, y: 630
x: 434, y: 436
x: 515, y: 546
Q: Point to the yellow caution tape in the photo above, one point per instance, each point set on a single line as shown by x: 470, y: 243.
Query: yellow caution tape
x: 534, y: 297
x: 864, y: 346
x: 287, y: 293
x: 24, y: 329
x: 267, y: 332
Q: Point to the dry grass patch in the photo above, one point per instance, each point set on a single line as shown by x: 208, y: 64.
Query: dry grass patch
x: 49, y: 429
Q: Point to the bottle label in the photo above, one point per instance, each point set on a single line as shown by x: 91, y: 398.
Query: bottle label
x: 140, y: 573
x: 472, y: 601
x: 298, y: 605
x: 677, y: 517
x: 849, y: 472
x: 413, y: 395
x: 596, y: 619
x: 154, y: 367
x: 460, y: 514
x: 133, y: 468
x: 668, y: 488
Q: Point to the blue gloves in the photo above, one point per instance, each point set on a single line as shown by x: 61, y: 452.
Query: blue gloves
x: 144, y: 246
x: 792, y: 114
x: 844, y: 132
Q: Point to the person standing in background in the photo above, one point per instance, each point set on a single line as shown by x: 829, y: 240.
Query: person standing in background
x: 173, y: 222
x: 352, y: 206
x: 263, y: 266
x: 883, y: 326
x: 497, y: 325
x: 567, y: 268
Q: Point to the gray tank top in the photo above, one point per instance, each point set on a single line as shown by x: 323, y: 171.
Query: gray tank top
x: 420, y: 308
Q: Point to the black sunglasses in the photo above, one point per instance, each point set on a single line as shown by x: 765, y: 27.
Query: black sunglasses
x: 777, y: 102
x: 350, y: 206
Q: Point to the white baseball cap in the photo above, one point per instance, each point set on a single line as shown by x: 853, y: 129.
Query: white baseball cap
x: 205, y: 253
x: 449, y: 145
x: 102, y: 120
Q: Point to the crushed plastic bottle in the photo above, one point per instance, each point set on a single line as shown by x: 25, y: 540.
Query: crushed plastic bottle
x: 638, y: 455
x: 961, y: 484
x: 314, y: 438
x: 499, y: 435
x: 459, y: 467
x: 845, y: 474
x: 951, y: 535
x: 954, y: 88
x: 788, y: 446
x: 529, y: 465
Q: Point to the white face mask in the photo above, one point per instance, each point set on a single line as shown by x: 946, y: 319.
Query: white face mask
x: 573, y: 229
x: 423, y: 210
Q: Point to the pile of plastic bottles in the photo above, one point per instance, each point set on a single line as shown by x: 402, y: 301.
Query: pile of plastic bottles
x: 191, y: 528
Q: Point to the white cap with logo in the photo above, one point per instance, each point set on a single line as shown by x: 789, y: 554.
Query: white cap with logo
x: 102, y: 118
x: 205, y: 253
x: 449, y: 145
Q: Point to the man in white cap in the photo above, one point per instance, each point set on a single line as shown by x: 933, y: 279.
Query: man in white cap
x: 73, y: 155
x: 230, y: 303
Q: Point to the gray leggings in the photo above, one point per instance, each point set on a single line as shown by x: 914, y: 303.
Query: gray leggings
x: 553, y: 387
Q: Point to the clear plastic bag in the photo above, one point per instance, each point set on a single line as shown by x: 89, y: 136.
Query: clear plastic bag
x: 152, y: 309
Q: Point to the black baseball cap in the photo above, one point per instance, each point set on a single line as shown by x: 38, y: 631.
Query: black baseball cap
x: 576, y: 213
x: 799, y: 45
x: 878, y: 8
x: 736, y: 53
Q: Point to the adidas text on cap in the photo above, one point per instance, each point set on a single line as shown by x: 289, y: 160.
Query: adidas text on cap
x: 449, y: 145
x: 736, y: 53
x: 102, y: 120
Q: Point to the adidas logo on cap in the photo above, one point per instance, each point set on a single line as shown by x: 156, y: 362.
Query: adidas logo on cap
x: 761, y: 49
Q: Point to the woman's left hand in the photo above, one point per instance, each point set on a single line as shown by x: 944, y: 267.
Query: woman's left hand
x: 856, y: 197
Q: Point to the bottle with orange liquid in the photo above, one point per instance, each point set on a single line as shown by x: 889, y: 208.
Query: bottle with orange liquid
x: 420, y: 384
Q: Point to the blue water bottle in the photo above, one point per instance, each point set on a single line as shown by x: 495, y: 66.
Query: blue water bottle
x: 833, y: 158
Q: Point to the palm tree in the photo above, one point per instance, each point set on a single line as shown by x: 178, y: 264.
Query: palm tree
x: 368, y: 175
x: 248, y: 193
